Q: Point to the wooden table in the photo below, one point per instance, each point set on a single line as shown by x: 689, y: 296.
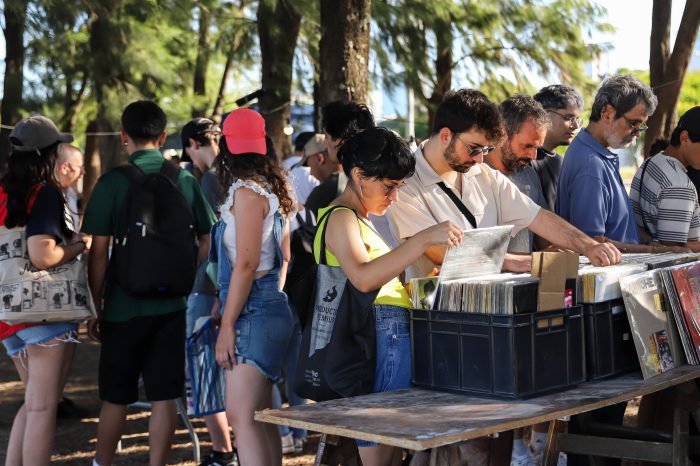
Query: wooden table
x: 419, y: 419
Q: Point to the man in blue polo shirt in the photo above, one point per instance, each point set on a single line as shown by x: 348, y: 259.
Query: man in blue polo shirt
x: 591, y: 195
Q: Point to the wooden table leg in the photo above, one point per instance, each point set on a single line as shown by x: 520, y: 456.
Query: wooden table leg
x: 680, y: 437
x: 334, y: 450
x: 446, y: 456
x: 551, y: 447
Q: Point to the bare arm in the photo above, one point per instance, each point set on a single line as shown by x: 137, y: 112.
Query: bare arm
x: 44, y: 253
x: 561, y: 233
x: 203, y: 250
x: 343, y: 239
x: 286, y: 254
x: 97, y: 269
x: 693, y: 246
x: 649, y: 248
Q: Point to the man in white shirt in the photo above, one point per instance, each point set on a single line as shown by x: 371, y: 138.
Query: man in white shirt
x: 449, y: 165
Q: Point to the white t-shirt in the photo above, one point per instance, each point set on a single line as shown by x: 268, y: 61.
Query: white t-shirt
x: 267, y: 249
x: 489, y: 195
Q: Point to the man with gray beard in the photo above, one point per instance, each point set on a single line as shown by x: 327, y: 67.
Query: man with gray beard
x: 526, y: 124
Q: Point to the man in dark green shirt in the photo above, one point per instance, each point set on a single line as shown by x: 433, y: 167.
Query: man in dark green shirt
x: 141, y: 337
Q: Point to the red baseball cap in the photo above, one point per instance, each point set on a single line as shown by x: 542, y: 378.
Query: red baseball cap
x: 244, y: 131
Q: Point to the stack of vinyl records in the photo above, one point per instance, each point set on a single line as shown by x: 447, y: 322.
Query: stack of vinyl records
x: 654, y: 331
x: 653, y: 261
x: 599, y: 284
x: 504, y: 294
x: 682, y: 286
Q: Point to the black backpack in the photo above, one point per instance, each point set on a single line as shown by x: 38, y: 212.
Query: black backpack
x: 154, y: 253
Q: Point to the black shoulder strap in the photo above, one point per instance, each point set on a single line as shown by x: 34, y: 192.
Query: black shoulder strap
x: 641, y: 186
x: 458, y: 202
x: 130, y: 171
x: 322, y: 252
x: 171, y: 170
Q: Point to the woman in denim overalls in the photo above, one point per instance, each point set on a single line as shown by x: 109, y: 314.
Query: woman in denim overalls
x: 251, y: 245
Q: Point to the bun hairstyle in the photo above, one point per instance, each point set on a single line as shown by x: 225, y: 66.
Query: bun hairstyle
x: 379, y: 153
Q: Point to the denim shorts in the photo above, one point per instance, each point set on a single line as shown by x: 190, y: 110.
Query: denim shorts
x: 198, y: 305
x: 38, y: 335
x: 264, y: 327
x: 393, y: 370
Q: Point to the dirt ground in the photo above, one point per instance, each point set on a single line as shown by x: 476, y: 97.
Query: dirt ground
x: 75, y: 438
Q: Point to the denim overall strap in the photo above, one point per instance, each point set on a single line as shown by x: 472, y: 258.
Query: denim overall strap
x: 223, y: 264
x: 277, y: 232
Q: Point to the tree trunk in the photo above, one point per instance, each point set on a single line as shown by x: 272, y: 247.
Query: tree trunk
x: 72, y: 105
x: 443, y: 68
x: 667, y: 72
x: 93, y: 166
x: 15, y: 13
x: 200, y: 67
x: 344, y: 57
x: 278, y: 28
x: 106, y: 44
x: 219, y: 104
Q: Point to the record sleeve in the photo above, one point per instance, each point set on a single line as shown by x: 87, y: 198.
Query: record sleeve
x: 650, y: 324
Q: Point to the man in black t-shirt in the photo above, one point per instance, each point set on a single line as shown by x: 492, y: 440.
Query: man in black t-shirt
x: 564, y: 105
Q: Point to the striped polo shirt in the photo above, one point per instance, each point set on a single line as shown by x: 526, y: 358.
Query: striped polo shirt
x: 668, y: 205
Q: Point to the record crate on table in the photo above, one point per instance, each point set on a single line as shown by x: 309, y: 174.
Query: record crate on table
x: 504, y: 356
x: 610, y: 347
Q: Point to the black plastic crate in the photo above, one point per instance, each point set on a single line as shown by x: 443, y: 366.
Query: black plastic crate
x: 609, y: 344
x: 516, y: 356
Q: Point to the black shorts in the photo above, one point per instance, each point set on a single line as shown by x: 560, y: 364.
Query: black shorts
x: 152, y: 347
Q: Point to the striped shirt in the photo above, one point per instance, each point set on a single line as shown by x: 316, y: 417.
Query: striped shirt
x: 668, y: 205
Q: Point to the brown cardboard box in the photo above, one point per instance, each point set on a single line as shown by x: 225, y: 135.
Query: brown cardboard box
x: 553, y: 268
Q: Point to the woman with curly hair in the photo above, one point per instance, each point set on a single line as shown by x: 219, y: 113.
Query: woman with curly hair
x: 30, y: 197
x: 252, y: 247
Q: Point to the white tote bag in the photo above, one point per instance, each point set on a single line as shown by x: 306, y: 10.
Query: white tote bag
x: 29, y: 295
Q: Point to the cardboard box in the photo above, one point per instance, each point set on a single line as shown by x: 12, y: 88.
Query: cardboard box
x: 553, y: 269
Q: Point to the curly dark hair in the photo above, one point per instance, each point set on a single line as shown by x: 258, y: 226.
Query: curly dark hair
x: 25, y: 170
x: 464, y: 109
x: 263, y: 169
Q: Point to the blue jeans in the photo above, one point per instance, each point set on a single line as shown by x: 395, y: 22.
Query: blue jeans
x: 393, y: 369
x: 198, y: 305
x: 39, y: 335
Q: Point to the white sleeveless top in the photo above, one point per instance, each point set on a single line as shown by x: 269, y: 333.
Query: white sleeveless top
x: 267, y: 251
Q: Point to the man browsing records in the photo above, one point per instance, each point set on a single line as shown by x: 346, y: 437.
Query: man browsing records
x: 451, y: 183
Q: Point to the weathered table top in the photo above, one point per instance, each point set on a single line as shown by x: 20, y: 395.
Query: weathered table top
x: 418, y: 418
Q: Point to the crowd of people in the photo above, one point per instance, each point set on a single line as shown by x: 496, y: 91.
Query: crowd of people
x: 389, y: 213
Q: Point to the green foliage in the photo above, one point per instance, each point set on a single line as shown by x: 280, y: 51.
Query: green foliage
x: 690, y: 92
x: 155, y: 45
x: 492, y: 39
